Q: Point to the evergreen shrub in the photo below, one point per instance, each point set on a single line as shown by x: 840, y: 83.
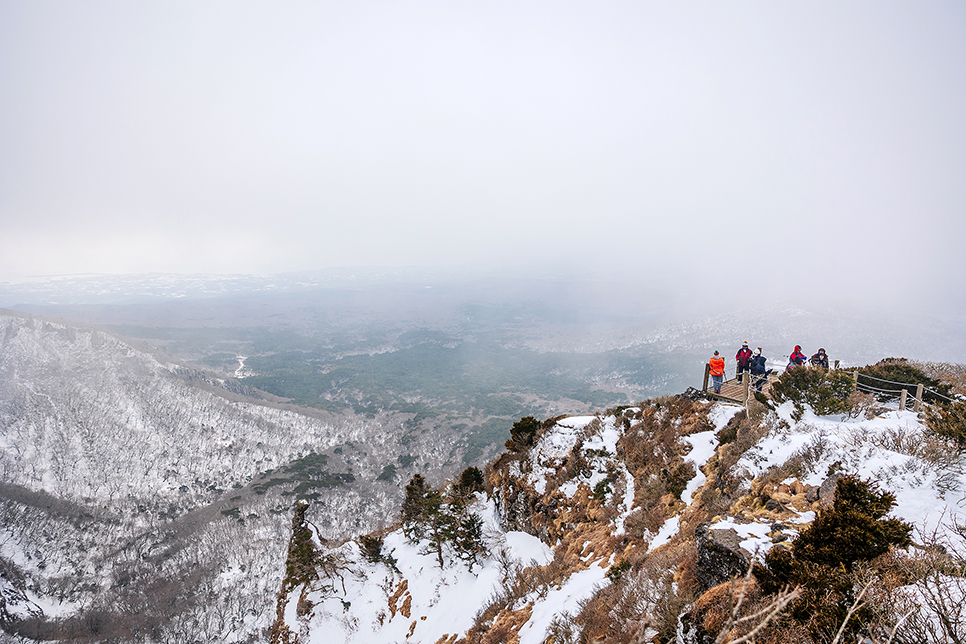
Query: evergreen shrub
x: 471, y: 480
x: 523, y: 433
x: 826, y: 392
x: 821, y: 560
x: 371, y: 547
x: 899, y: 370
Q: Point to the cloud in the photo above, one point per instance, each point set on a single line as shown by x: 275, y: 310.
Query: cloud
x: 234, y: 137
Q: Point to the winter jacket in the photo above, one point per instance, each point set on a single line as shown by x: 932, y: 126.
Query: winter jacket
x: 820, y: 358
x: 743, y: 357
x: 758, y: 365
x: 717, y: 366
x: 797, y: 358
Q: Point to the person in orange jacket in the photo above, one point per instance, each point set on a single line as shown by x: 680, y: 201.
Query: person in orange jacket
x: 717, y: 365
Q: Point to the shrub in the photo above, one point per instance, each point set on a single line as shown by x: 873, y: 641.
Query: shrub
x: 899, y: 370
x: 729, y: 433
x: 471, y: 480
x: 823, y: 556
x: 371, y: 547
x: 523, y: 433
x: 676, y: 478
x: 300, y: 566
x: 949, y: 421
x: 415, y: 506
x: 617, y: 571
x: 826, y: 392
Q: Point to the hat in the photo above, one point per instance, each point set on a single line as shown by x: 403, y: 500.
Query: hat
x: 745, y: 343
x: 797, y: 348
x: 758, y: 351
x: 821, y: 350
x: 715, y: 353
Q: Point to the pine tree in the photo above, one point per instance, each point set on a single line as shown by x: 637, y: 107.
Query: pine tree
x: 414, y: 508
x: 439, y: 526
x: 468, y: 539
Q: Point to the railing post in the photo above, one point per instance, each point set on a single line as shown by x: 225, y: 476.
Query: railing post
x: 836, y: 365
x: 918, y: 404
x: 902, y: 400
x: 746, y: 380
x: 855, y: 377
x: 707, y: 372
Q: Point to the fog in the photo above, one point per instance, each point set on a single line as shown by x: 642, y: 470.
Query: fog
x: 751, y: 152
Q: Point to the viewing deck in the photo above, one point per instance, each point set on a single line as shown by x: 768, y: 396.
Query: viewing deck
x: 734, y: 391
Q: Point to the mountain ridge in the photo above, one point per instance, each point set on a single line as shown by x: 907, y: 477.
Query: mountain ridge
x: 646, y: 515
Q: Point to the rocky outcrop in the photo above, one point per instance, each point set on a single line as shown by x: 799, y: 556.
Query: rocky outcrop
x: 720, y: 556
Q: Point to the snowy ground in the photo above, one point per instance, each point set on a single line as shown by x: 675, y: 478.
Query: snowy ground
x: 442, y: 603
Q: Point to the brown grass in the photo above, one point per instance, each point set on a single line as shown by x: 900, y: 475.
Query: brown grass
x: 394, y: 598
x: 953, y: 374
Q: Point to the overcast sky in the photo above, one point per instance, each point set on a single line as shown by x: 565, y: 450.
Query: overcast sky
x: 822, y: 143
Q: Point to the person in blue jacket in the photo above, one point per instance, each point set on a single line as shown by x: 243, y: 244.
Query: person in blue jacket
x: 820, y: 359
x: 759, y: 369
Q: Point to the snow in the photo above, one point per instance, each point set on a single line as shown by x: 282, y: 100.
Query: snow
x: 668, y: 530
x: 721, y: 413
x: 553, y: 447
x: 445, y: 601
x: 527, y: 549
x: 754, y: 536
x: 627, y: 505
x: 703, y: 446
x: 927, y: 496
x: 438, y: 597
x: 548, y: 455
x: 565, y: 599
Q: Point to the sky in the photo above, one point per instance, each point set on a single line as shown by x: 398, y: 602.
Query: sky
x: 769, y: 149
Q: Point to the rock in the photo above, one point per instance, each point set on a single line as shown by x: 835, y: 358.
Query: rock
x: 695, y: 394
x: 690, y: 631
x: 720, y: 556
x: 774, y: 505
x: 826, y: 493
x: 811, y: 495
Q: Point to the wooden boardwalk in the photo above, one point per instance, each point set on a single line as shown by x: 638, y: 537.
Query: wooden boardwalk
x: 734, y: 391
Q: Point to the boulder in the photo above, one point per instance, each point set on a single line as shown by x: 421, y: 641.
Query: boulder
x: 826, y: 493
x: 720, y: 556
x: 811, y: 495
x: 774, y: 505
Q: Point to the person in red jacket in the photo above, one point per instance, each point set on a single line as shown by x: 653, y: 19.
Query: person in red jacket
x: 797, y: 359
x: 717, y: 365
x: 744, y: 359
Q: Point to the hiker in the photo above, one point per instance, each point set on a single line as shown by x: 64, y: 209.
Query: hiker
x: 758, y: 369
x: 797, y: 359
x: 717, y: 365
x: 744, y: 359
x: 820, y: 359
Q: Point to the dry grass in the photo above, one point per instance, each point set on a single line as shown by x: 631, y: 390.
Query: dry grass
x: 865, y: 405
x: 953, y: 374
x: 650, y: 596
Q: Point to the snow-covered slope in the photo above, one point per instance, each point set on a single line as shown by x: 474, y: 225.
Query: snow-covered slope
x: 155, y: 495
x: 622, y: 495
